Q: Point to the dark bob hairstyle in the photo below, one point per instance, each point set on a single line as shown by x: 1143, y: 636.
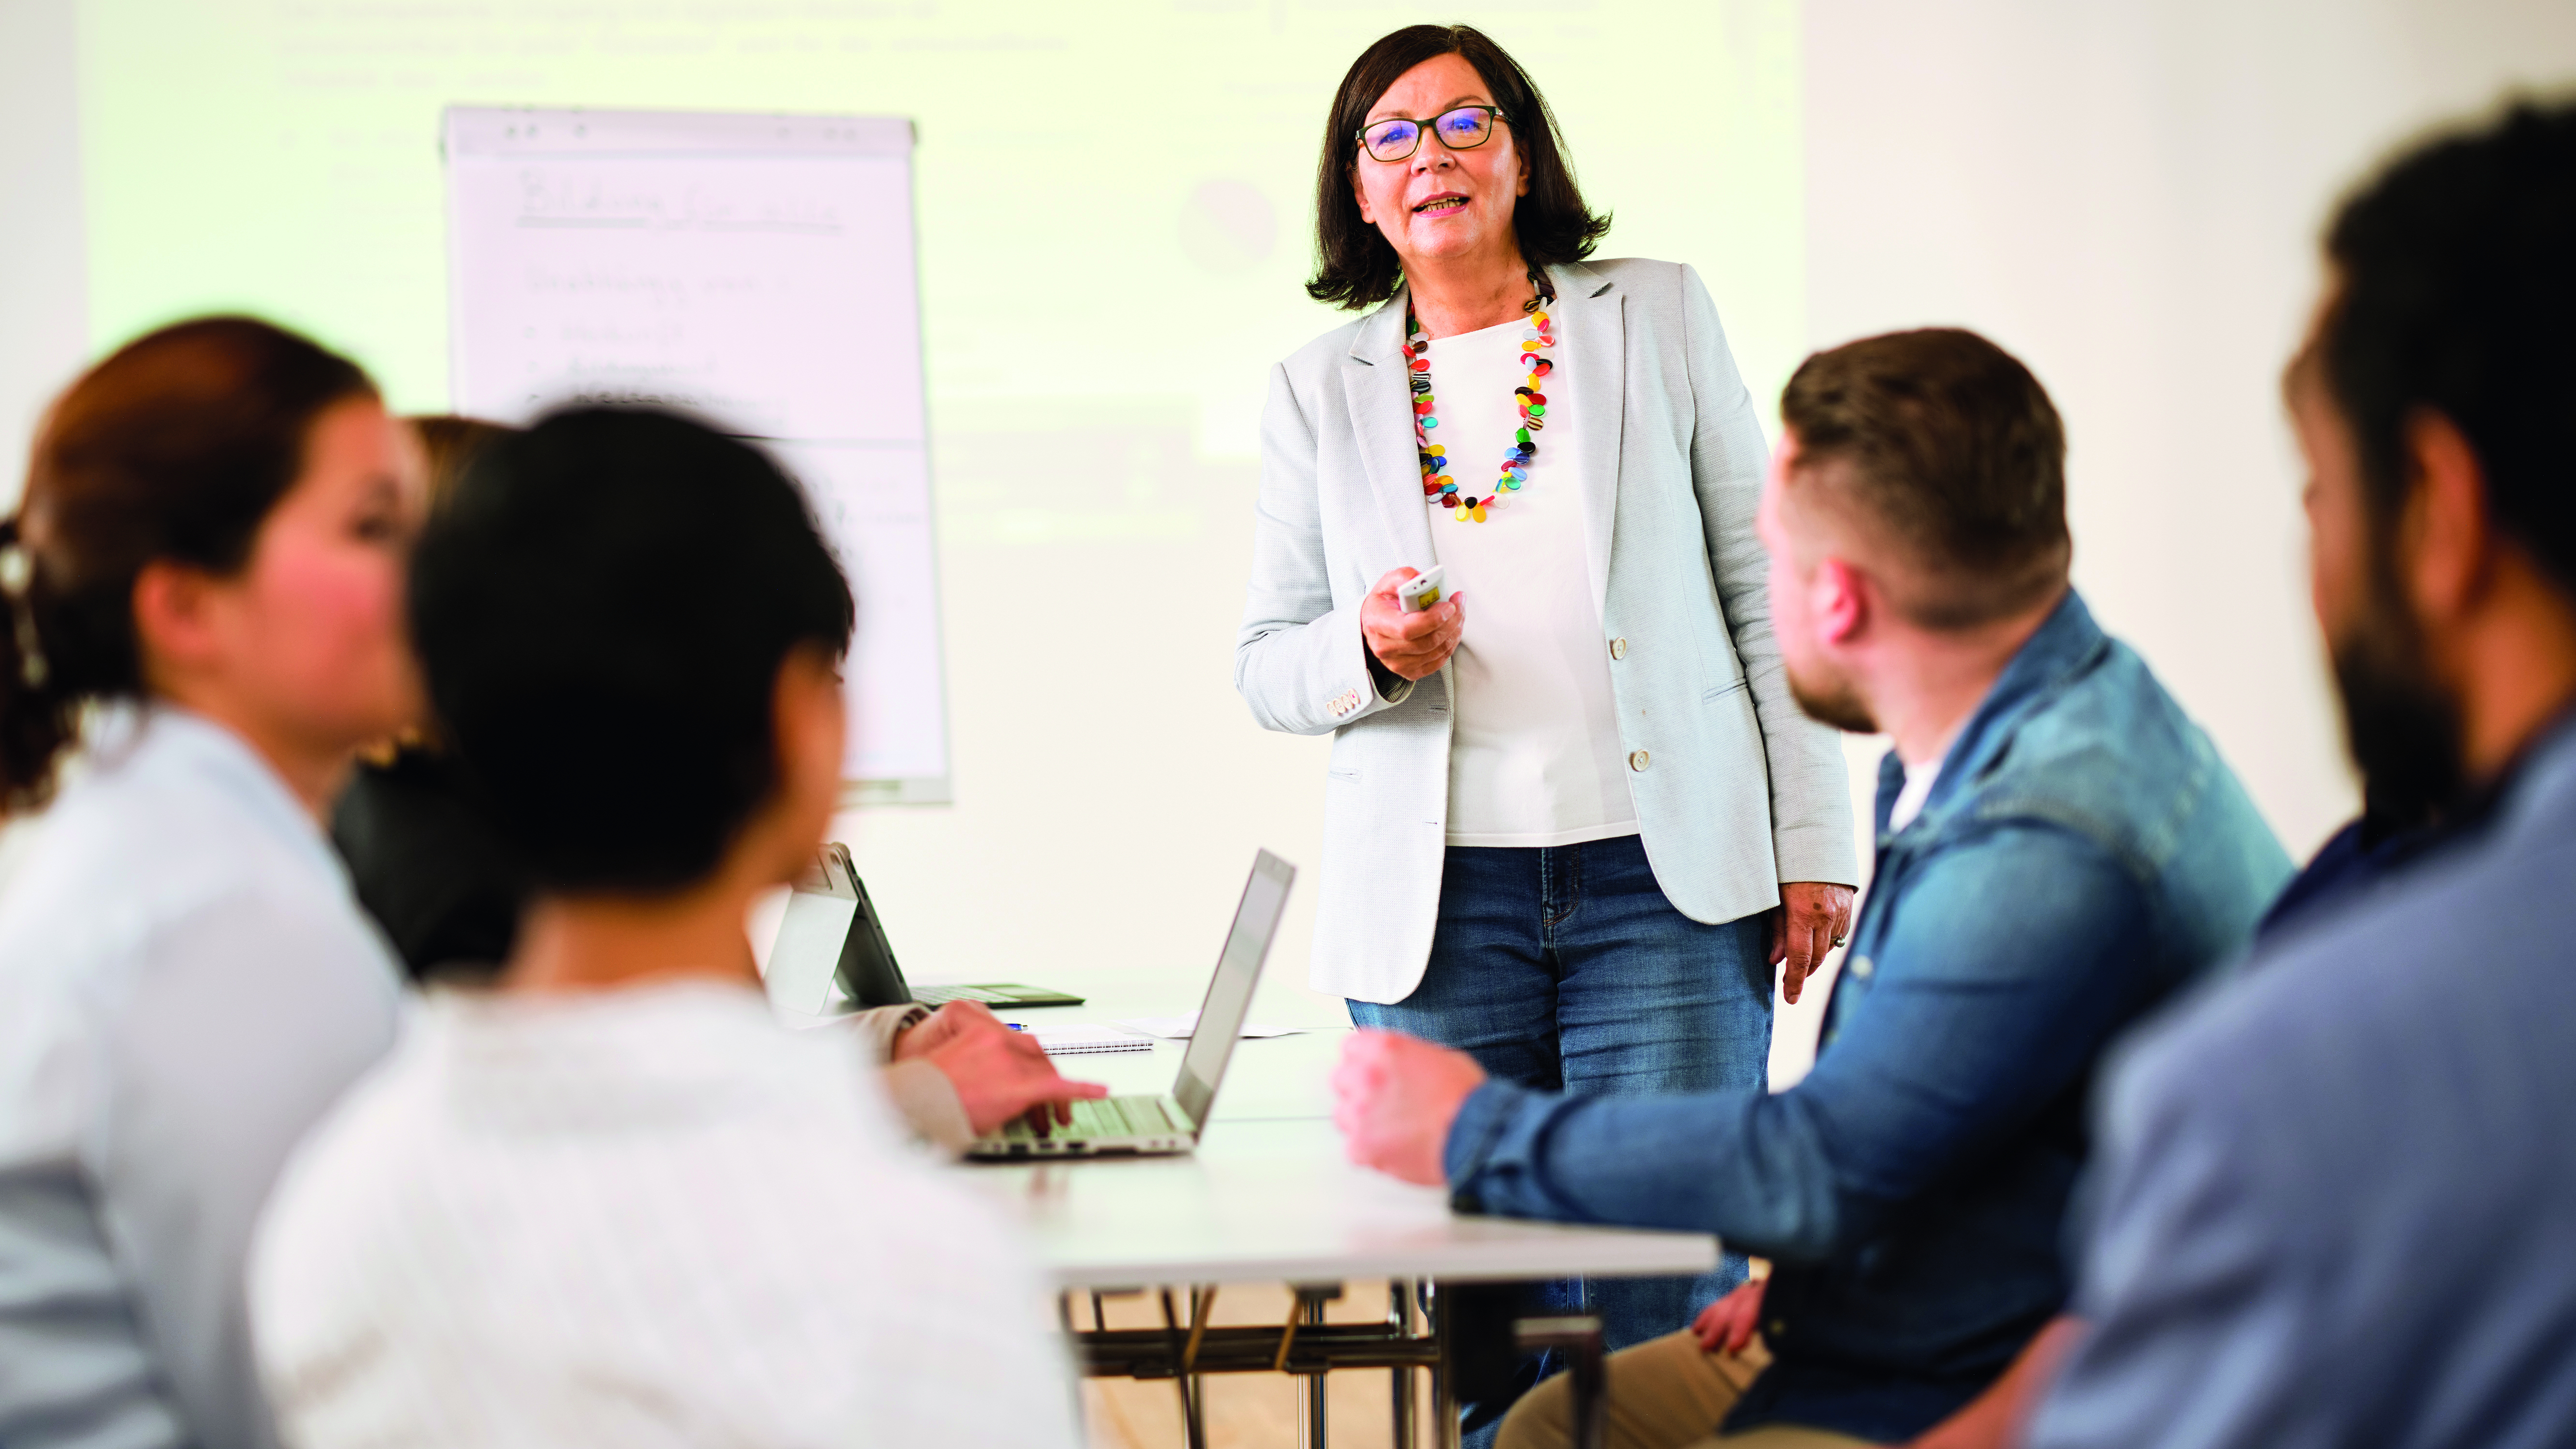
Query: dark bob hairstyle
x: 1355, y: 268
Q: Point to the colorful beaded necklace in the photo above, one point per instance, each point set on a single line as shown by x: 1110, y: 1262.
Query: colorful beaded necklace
x: 1436, y: 483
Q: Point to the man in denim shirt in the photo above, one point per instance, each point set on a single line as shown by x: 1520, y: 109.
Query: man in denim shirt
x: 2059, y: 850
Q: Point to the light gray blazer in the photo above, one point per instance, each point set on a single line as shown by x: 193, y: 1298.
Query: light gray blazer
x: 1736, y: 789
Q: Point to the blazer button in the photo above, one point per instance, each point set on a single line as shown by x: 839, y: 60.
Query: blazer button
x: 1637, y: 761
x: 1618, y: 648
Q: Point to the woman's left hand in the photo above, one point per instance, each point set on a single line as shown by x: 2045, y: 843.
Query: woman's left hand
x: 1812, y: 918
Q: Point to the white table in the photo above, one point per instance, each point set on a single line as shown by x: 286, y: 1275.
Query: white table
x: 1275, y: 1201
x: 1269, y: 1197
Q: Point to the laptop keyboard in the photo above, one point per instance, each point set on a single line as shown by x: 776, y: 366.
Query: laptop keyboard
x: 942, y: 995
x: 1107, y: 1117
x: 995, y: 994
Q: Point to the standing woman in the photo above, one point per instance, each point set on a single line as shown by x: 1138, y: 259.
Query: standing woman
x: 1578, y: 852
x: 203, y: 591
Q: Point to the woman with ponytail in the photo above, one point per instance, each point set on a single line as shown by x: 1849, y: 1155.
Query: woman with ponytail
x: 202, y: 594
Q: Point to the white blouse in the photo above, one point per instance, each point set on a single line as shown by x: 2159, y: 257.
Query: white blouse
x: 186, y: 982
x: 644, y: 1216
x: 1535, y: 758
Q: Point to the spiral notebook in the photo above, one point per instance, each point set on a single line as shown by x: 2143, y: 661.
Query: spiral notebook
x: 1073, y: 1041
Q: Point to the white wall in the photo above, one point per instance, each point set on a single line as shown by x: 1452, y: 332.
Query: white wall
x: 44, y: 302
x: 2127, y: 194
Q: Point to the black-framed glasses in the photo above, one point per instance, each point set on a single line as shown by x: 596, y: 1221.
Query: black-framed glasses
x: 1462, y: 129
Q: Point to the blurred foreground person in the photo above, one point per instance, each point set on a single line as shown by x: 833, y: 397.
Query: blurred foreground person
x: 449, y: 888
x: 612, y: 1200
x: 2059, y: 849
x: 207, y: 567
x: 425, y: 863
x: 2336, y: 1202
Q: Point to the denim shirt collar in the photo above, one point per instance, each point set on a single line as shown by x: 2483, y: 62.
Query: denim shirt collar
x: 2066, y: 643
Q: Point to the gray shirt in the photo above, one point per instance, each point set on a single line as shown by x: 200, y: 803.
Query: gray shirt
x: 2336, y: 1200
x: 186, y: 983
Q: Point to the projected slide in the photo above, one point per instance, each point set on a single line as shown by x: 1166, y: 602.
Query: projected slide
x: 1116, y: 199
x: 1114, y: 224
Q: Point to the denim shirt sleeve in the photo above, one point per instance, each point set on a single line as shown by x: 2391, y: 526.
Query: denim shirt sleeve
x: 2009, y: 960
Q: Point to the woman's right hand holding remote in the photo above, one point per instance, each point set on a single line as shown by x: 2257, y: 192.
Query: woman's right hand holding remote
x: 1410, y: 645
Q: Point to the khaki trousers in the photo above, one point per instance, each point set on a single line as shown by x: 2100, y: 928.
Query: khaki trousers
x: 1664, y: 1394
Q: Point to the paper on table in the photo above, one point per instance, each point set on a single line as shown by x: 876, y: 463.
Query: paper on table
x: 1179, y: 1028
x: 1059, y: 1041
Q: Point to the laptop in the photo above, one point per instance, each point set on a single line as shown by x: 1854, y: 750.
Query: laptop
x: 831, y: 953
x: 1173, y: 1122
x: 999, y: 995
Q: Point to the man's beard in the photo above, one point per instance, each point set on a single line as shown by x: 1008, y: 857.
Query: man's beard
x: 2402, y: 727
x: 1830, y: 701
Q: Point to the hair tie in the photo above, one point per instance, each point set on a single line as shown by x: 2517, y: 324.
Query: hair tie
x: 17, y: 575
x: 16, y: 569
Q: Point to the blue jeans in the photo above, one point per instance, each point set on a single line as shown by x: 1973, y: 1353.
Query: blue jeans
x: 1564, y: 969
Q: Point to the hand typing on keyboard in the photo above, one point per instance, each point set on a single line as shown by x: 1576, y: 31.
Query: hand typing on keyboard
x: 1113, y: 1117
x: 1000, y: 1074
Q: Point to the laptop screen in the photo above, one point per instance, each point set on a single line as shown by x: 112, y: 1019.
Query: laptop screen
x: 1229, y: 998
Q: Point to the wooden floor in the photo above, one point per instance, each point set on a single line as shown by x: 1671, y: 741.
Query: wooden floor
x: 1248, y: 1411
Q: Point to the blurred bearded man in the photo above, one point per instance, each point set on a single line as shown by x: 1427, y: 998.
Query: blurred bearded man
x: 2336, y: 1203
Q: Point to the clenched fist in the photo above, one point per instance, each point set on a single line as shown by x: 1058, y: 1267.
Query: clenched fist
x: 1394, y: 1098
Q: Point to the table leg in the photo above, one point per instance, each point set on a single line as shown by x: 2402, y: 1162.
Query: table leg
x: 1310, y: 1309
x: 1399, y: 1314
x: 1578, y: 1336
x: 1188, y: 1345
x: 1444, y: 1382
x: 1193, y: 1407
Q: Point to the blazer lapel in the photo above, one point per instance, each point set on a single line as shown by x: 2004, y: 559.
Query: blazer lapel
x: 1596, y: 335
x: 1373, y: 380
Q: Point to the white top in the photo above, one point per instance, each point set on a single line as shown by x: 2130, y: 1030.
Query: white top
x: 1919, y: 780
x: 186, y: 982
x: 648, y: 1216
x: 1535, y: 756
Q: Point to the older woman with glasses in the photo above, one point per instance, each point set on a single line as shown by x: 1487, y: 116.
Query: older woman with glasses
x: 1578, y: 853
